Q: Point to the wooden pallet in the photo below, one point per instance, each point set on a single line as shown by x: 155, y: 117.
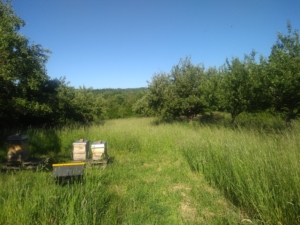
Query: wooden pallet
x: 32, y: 163
x: 91, y: 162
x: 35, y: 163
x: 12, y: 166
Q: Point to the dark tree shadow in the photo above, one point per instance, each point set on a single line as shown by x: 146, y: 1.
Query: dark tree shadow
x: 260, y: 122
x: 160, y: 121
x: 211, y: 119
x: 43, y: 142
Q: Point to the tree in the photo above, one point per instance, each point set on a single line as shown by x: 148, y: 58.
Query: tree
x: 210, y: 86
x: 284, y: 72
x: 87, y: 105
x: 178, y: 93
x: 238, y: 85
x: 259, y: 92
x: 22, y: 71
x: 158, y: 93
x: 188, y: 100
x: 141, y: 106
x: 64, y: 109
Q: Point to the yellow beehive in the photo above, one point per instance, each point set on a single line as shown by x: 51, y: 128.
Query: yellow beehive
x: 17, y: 148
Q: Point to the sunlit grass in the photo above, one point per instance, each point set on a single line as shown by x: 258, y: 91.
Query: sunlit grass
x: 257, y: 170
x: 164, y: 173
x: 148, y: 181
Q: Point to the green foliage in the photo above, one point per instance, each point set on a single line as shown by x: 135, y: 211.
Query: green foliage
x: 87, y: 105
x: 120, y: 102
x: 141, y: 107
x: 211, y: 86
x: 261, y: 96
x: 238, y: 84
x: 22, y: 70
x: 27, y: 95
x: 158, y: 93
x: 64, y: 107
x: 187, y: 99
x: 247, y: 85
x: 178, y: 94
x: 284, y: 72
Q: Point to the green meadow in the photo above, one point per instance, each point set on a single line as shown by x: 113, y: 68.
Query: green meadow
x: 207, y: 172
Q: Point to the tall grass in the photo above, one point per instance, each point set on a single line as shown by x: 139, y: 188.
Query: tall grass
x: 149, y: 181
x: 165, y: 173
x: 257, y: 170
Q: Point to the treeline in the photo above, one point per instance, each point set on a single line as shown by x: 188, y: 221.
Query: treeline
x: 119, y: 102
x: 29, y: 97
x: 251, y: 84
x: 27, y: 94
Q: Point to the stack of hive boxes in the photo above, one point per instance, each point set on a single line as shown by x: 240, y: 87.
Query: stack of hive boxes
x: 99, y: 150
x: 80, y: 150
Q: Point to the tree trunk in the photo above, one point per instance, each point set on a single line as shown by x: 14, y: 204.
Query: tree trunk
x: 232, y: 118
x: 289, y: 117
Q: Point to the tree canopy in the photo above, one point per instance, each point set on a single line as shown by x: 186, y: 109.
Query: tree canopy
x: 284, y: 72
x: 27, y: 94
x: 248, y: 85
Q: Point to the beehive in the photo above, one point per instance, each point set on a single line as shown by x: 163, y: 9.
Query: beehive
x: 80, y: 150
x: 99, y: 150
x: 68, y: 169
x: 17, y: 148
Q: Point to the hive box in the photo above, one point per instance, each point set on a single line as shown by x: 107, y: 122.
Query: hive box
x: 80, y: 150
x: 68, y: 169
x: 99, y: 150
x: 17, y: 148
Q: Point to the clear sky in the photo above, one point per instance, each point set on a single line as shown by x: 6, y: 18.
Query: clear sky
x: 122, y: 43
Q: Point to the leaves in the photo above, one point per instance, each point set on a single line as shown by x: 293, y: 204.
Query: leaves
x: 284, y: 67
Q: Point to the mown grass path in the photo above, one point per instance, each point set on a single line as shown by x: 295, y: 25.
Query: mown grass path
x: 153, y: 181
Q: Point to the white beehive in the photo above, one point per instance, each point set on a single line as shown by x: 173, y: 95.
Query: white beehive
x: 99, y: 150
x: 80, y: 150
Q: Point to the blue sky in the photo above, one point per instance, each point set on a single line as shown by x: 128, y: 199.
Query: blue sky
x: 122, y: 43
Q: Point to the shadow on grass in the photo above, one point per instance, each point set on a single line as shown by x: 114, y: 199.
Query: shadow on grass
x: 111, y: 160
x: 212, y: 119
x: 204, y: 119
x: 42, y: 142
x: 261, y: 122
x: 162, y: 121
x: 69, y: 180
x: 46, y: 143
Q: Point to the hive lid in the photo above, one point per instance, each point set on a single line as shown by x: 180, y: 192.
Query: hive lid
x: 81, y: 141
x: 17, y: 137
x: 99, y: 144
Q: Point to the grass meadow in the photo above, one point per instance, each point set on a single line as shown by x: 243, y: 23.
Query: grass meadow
x: 164, y: 173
